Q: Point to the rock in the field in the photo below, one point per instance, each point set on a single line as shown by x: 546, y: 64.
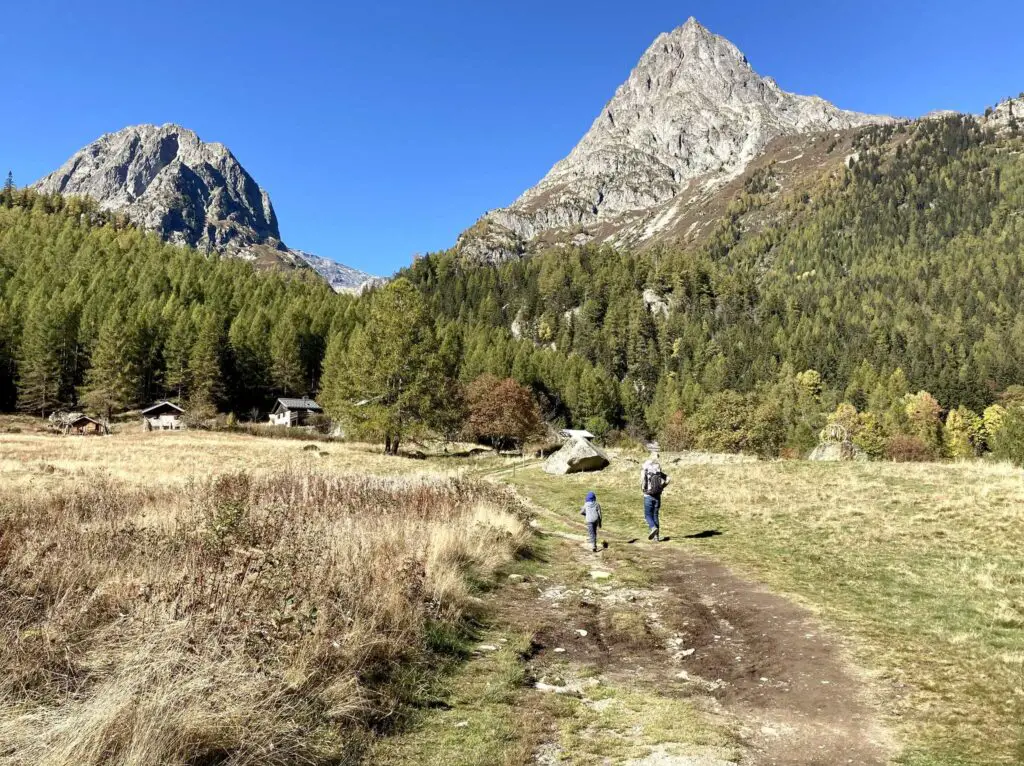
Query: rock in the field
x: 599, y: 574
x: 835, y: 452
x: 576, y: 456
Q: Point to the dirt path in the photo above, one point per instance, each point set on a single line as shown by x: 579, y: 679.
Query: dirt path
x: 665, y: 623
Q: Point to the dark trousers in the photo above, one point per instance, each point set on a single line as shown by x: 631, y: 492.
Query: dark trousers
x: 592, y: 527
x: 652, y: 511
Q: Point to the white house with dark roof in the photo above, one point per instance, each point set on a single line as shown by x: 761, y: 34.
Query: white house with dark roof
x: 293, y: 412
x: 163, y: 416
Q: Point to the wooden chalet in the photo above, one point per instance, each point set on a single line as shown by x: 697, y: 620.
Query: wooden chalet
x: 163, y: 416
x: 294, y: 412
x: 83, y: 424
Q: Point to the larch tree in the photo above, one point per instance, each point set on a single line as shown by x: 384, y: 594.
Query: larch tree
x: 40, y: 369
x: 388, y: 380
x: 113, y: 381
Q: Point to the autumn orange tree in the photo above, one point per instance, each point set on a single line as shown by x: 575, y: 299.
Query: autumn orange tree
x: 502, y: 412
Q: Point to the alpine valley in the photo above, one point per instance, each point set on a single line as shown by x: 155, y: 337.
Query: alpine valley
x: 718, y: 263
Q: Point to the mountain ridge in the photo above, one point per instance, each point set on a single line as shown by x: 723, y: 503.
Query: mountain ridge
x: 165, y: 179
x: 692, y: 115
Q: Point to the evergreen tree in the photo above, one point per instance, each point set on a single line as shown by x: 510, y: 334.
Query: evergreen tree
x: 389, y: 381
x: 40, y: 368
x: 114, y: 380
x: 287, y: 368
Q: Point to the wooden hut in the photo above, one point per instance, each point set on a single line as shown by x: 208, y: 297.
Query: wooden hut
x: 163, y: 416
x: 294, y: 412
x: 83, y: 424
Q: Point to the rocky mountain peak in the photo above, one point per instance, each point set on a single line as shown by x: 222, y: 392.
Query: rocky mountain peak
x: 169, y: 181
x: 692, y: 108
x: 190, y: 192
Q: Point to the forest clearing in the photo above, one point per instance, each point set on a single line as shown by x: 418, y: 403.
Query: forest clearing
x: 197, y: 597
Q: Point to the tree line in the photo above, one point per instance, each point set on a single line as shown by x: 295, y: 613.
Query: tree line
x: 887, y: 290
x: 95, y: 313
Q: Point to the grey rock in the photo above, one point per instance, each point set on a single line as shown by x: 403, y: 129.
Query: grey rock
x: 189, y: 192
x: 835, y: 452
x: 577, y: 456
x: 344, y: 279
x: 692, y: 115
x: 1005, y: 115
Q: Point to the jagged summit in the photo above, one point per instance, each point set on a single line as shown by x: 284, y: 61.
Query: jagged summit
x: 693, y: 107
x: 190, y: 192
x: 169, y: 181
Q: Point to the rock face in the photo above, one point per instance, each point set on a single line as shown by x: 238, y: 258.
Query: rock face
x: 576, y: 456
x: 167, y: 180
x: 692, y: 114
x: 344, y: 279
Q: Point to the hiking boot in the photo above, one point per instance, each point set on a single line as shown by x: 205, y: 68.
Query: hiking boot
x: 654, y: 533
x: 594, y: 549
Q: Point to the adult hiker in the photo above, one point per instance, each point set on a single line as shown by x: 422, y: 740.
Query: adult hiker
x: 591, y: 514
x: 652, y: 483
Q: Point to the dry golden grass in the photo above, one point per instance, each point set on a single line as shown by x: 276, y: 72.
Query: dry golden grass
x: 155, y: 608
x: 920, y: 565
x: 43, y: 460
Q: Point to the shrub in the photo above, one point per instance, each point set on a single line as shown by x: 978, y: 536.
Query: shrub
x: 720, y: 423
x: 598, y: 426
x: 1008, y: 441
x: 677, y: 435
x: 905, y: 448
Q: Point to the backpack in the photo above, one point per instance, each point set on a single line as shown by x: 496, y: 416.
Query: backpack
x: 653, y: 483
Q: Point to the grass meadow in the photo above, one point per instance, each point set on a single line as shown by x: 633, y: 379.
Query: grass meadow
x: 919, y: 566
x: 199, y: 599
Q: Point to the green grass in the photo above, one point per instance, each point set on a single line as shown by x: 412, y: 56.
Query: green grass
x: 921, y: 565
x: 479, y: 720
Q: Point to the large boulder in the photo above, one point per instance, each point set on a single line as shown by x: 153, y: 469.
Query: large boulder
x: 834, y: 452
x: 576, y: 456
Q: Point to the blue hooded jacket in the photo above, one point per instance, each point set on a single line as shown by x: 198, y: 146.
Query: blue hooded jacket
x: 591, y: 509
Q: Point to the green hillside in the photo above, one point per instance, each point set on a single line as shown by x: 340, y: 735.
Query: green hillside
x: 889, y: 287
x: 897, y: 274
x: 93, y: 311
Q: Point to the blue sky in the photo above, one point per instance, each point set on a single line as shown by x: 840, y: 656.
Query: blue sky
x: 382, y: 129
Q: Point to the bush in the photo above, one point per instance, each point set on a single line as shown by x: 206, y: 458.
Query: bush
x: 677, y: 435
x: 623, y: 440
x: 1007, y: 443
x: 904, y: 448
x: 598, y: 426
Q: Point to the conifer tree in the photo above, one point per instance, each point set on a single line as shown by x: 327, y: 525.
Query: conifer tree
x: 389, y: 381
x: 40, y: 368
x: 113, y: 382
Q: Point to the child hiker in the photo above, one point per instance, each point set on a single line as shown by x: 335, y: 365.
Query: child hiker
x: 592, y: 515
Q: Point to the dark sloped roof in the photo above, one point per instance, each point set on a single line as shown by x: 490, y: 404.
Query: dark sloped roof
x: 83, y: 419
x: 162, y: 405
x: 300, y: 404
